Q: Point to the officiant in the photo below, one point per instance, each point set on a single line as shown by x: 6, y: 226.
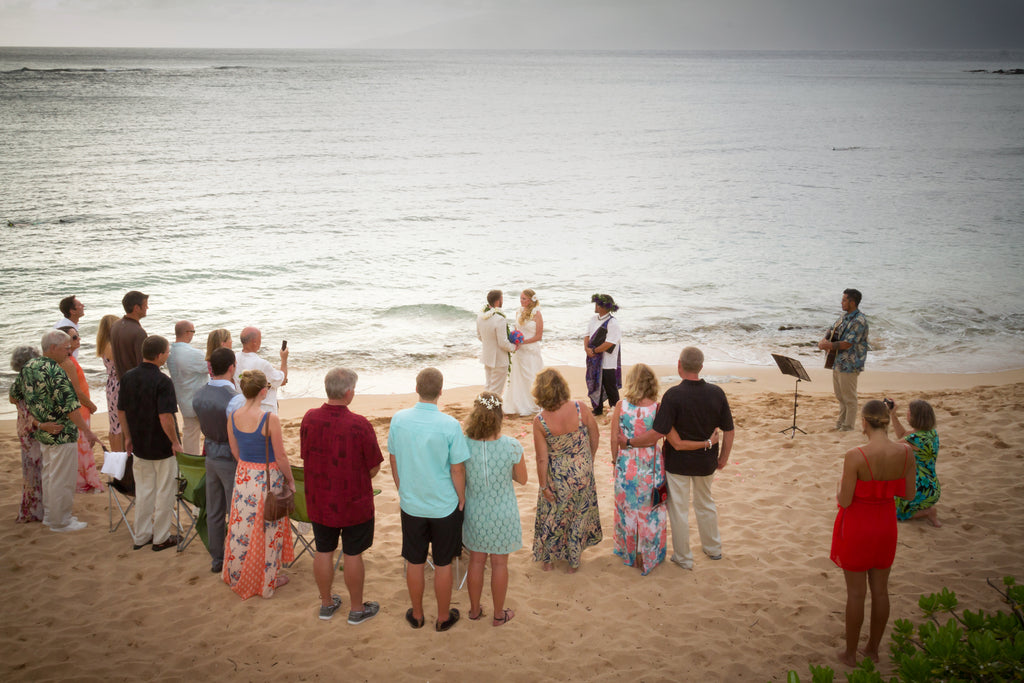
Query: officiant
x: 604, y: 365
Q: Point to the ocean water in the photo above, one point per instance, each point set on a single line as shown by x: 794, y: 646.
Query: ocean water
x: 360, y: 203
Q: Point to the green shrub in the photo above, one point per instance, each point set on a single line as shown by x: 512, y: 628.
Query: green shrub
x: 972, y: 646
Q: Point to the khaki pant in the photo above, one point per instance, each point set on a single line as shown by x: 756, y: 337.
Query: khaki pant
x: 60, y: 475
x: 844, y: 384
x: 496, y: 379
x: 191, y: 436
x: 679, y: 487
x: 154, y: 498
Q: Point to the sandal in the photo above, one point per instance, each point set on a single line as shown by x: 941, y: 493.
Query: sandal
x: 453, y: 616
x: 413, y: 621
x: 478, y: 615
x: 506, y: 616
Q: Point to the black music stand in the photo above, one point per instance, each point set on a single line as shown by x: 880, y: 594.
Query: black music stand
x: 791, y: 366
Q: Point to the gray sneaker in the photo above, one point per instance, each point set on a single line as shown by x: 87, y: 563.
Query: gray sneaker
x: 370, y: 610
x: 327, y: 611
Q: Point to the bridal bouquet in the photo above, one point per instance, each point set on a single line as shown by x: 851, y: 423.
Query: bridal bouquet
x: 516, y: 337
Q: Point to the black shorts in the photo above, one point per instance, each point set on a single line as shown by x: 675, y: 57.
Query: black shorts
x: 444, y: 535
x: 354, y: 539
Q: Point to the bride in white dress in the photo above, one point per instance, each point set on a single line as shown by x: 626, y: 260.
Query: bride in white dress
x: 526, y: 361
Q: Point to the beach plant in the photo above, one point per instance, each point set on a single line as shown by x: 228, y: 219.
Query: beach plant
x: 969, y: 646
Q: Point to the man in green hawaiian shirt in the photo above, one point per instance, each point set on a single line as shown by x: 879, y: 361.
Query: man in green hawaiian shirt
x: 55, y: 414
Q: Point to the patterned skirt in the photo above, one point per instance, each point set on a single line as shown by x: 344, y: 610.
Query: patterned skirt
x: 255, y: 549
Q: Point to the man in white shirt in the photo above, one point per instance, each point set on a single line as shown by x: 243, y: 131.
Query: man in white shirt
x: 72, y: 309
x: 604, y: 369
x: 187, y: 366
x: 492, y: 330
x: 249, y: 359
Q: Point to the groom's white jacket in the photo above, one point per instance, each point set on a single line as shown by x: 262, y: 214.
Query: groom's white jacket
x: 492, y: 331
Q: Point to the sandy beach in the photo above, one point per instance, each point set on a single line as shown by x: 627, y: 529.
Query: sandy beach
x: 85, y: 606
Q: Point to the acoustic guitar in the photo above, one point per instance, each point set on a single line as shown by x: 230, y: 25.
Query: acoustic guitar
x: 832, y: 336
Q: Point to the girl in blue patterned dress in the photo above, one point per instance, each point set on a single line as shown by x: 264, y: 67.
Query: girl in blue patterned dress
x: 491, y: 526
x: 925, y: 441
x: 641, y: 530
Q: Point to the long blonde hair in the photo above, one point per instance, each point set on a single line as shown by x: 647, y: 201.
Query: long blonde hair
x: 103, y: 333
x: 526, y: 313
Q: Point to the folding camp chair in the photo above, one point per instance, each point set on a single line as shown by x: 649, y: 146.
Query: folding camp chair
x: 190, y: 501
x: 121, y: 495
x: 300, y: 516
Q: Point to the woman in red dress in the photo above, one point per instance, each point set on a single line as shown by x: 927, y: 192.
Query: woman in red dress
x: 864, y: 536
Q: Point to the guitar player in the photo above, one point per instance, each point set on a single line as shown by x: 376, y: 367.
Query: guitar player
x: 847, y: 343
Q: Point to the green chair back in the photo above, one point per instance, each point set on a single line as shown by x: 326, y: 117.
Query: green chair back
x: 300, y: 514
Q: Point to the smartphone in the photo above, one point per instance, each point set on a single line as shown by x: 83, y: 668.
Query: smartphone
x: 284, y: 344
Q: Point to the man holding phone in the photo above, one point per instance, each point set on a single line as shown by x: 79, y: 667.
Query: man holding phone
x: 249, y: 359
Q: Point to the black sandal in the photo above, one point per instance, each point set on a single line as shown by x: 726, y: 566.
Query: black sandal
x: 453, y: 616
x: 477, y: 617
x: 413, y: 621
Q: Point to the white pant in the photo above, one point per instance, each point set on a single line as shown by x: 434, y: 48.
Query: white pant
x: 496, y: 379
x: 154, y: 498
x: 191, y: 436
x: 679, y: 487
x: 60, y: 475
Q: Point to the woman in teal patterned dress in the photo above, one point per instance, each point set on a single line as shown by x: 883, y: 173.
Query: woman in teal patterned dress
x: 491, y: 526
x: 925, y: 441
x: 565, y: 436
x: 641, y: 530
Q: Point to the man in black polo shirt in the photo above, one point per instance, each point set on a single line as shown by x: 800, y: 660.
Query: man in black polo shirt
x: 696, y: 409
x: 146, y: 405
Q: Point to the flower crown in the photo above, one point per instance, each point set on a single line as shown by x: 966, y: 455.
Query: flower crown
x: 605, y: 301
x: 490, y: 402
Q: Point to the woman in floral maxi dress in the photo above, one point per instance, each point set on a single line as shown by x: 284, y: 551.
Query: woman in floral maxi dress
x: 565, y: 437
x: 256, y: 549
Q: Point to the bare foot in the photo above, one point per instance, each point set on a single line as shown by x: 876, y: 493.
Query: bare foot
x: 873, y: 656
x: 572, y: 570
x: 933, y: 517
x: 847, y: 658
x: 547, y: 566
x: 281, y: 581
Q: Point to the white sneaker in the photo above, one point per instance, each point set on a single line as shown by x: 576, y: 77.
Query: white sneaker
x: 74, y: 525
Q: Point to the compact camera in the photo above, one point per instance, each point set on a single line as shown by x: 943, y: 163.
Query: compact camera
x: 889, y: 403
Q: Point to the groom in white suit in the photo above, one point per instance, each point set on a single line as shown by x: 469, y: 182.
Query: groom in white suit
x: 492, y: 330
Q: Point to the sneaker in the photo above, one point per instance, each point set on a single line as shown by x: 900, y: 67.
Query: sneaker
x: 327, y: 611
x: 74, y: 525
x: 370, y: 610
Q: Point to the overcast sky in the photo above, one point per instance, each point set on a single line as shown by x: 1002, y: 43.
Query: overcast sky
x: 551, y: 24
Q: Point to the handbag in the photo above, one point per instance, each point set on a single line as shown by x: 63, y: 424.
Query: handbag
x: 276, y: 505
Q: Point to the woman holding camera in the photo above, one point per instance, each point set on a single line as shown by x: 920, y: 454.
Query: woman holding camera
x: 925, y: 441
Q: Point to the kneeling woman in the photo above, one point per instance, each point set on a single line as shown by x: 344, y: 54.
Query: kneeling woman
x: 256, y: 548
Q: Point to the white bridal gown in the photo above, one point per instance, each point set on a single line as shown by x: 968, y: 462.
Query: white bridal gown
x: 526, y: 363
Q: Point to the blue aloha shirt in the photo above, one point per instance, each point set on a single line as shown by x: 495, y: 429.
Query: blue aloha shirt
x: 47, y: 392
x: 854, y: 326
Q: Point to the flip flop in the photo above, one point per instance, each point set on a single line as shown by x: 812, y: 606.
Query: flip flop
x: 413, y: 621
x: 453, y: 616
x: 506, y: 616
x: 477, y: 617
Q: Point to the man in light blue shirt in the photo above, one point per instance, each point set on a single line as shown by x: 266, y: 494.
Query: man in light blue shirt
x: 188, y: 370
x: 427, y: 451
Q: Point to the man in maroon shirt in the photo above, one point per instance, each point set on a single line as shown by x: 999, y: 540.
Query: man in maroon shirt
x: 341, y: 457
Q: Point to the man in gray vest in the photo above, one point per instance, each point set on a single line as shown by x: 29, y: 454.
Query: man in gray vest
x: 212, y: 404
